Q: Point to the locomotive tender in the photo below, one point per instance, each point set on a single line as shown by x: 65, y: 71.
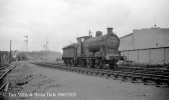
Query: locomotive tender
x: 94, y: 52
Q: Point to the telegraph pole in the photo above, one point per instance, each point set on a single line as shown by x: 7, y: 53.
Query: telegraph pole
x: 46, y: 45
x: 10, y: 55
x: 26, y: 44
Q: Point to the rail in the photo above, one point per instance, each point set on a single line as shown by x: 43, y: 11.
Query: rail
x: 4, y: 85
x: 159, y: 76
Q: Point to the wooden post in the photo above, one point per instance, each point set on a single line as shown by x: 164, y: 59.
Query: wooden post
x: 10, y: 55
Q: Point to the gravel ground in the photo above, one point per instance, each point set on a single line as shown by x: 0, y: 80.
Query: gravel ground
x: 31, y: 82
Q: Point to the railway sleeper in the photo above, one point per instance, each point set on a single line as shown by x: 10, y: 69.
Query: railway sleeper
x: 160, y: 81
x: 143, y: 74
x: 94, y: 73
x: 126, y: 76
x: 135, y: 77
x: 99, y: 74
x: 89, y: 72
x: 115, y: 76
x: 112, y: 74
x: 83, y: 72
x: 157, y: 80
x: 105, y: 75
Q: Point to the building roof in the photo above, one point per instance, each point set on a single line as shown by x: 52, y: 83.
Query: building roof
x: 126, y: 35
x: 144, y: 38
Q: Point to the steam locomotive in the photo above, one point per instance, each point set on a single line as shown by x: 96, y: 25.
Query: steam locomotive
x: 94, y: 52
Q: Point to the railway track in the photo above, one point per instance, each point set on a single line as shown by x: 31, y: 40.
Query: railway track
x: 157, y: 76
x: 3, y: 83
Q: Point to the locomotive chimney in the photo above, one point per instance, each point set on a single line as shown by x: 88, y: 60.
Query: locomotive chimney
x: 98, y: 33
x: 109, y: 30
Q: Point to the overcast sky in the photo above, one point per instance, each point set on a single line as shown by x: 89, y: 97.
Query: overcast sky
x: 62, y: 20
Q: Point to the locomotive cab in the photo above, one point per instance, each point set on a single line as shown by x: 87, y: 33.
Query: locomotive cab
x: 80, y: 42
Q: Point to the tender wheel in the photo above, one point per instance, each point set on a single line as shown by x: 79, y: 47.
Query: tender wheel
x: 75, y: 63
x: 78, y: 63
x: 83, y: 62
x: 113, y: 65
x: 71, y: 63
x: 68, y: 62
x: 98, y: 63
x: 65, y: 61
x: 89, y: 63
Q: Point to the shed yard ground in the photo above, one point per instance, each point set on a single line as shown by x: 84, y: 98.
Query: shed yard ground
x: 32, y: 82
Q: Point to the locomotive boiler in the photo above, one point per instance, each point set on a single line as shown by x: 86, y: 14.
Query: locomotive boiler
x: 107, y: 44
x: 108, y: 41
x: 94, y: 52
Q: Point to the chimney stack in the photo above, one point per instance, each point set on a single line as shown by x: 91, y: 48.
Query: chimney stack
x: 109, y: 30
x: 98, y: 33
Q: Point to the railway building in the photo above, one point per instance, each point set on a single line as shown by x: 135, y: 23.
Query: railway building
x: 147, y: 45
